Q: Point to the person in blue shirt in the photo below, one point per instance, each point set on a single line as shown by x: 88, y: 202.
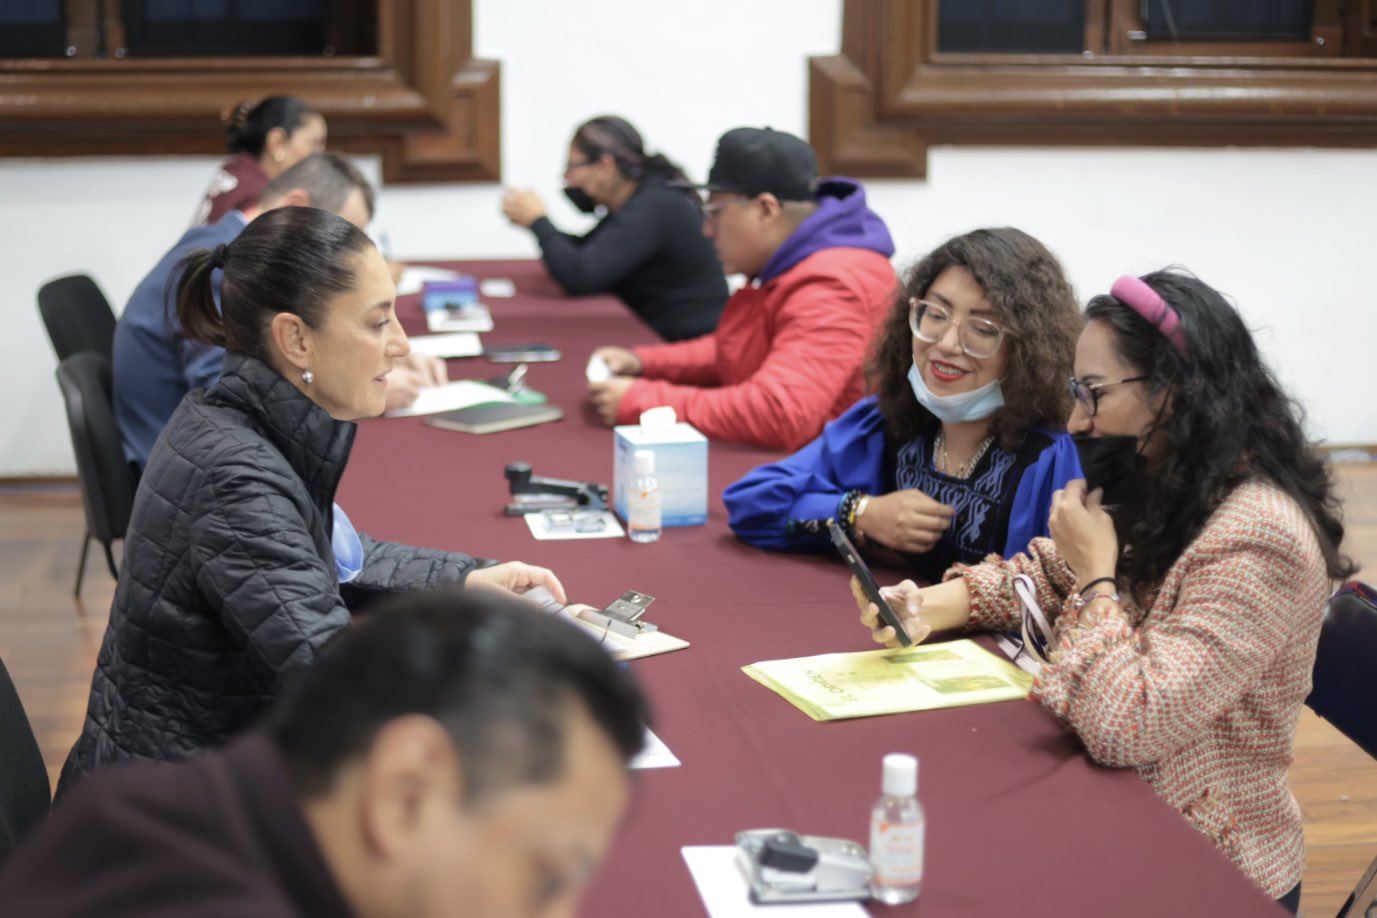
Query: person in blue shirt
x: 958, y: 453
x: 154, y: 365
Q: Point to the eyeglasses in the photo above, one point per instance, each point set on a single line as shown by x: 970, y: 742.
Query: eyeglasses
x: 713, y: 209
x: 980, y: 338
x: 1087, y: 395
x: 570, y: 165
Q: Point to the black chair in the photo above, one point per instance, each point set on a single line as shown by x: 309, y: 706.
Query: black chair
x: 77, y: 315
x: 24, y: 791
x: 107, y: 480
x: 1343, y: 681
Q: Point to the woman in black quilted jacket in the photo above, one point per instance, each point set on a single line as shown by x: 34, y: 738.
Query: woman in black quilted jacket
x: 238, y: 565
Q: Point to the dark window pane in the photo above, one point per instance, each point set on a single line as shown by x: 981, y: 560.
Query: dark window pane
x: 33, y: 28
x: 1228, y: 20
x: 226, y: 27
x: 1012, y: 26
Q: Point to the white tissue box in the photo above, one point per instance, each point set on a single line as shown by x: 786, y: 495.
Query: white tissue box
x: 681, y: 467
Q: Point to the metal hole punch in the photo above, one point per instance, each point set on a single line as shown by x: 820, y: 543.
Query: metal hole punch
x: 783, y: 866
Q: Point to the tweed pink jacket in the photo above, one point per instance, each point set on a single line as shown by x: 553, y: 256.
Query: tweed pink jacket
x: 1201, y: 690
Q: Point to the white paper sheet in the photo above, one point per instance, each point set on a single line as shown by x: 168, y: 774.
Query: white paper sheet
x: 414, y: 276
x: 454, y: 344
x: 475, y: 318
x: 726, y: 894
x: 497, y: 288
x: 655, y: 754
x: 460, y: 394
x: 612, y: 529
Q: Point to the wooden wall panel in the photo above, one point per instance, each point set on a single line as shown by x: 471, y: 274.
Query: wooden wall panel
x: 423, y: 102
x: 877, y: 106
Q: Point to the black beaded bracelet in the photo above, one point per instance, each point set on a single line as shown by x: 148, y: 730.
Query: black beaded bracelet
x: 1086, y: 589
x: 846, y: 514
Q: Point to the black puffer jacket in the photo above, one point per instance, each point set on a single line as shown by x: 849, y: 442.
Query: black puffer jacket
x: 228, y: 585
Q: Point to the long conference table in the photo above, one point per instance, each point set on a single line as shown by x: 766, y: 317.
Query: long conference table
x: 1019, y: 820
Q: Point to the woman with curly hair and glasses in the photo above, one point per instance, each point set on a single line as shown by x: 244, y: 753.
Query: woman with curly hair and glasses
x: 1186, y: 585
x: 960, y: 450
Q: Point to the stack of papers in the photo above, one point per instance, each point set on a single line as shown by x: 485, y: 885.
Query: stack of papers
x: 919, y: 678
x: 454, y: 344
x: 460, y: 394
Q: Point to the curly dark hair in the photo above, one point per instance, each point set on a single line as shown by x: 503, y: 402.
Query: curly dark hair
x: 1031, y: 297
x: 1229, y: 420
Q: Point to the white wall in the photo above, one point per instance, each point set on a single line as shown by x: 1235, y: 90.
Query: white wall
x: 1288, y: 233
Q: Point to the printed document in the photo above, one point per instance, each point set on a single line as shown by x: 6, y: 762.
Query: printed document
x: 836, y: 686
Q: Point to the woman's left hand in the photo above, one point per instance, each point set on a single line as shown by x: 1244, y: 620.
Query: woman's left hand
x: 522, y: 206
x: 517, y: 577
x: 1084, y: 532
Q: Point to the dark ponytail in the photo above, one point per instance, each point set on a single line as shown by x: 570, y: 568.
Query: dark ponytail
x: 619, y: 139
x: 290, y: 259
x: 659, y: 164
x: 196, y: 313
x: 247, y: 124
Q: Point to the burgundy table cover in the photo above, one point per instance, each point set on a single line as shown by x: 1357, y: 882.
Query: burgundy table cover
x: 1019, y: 820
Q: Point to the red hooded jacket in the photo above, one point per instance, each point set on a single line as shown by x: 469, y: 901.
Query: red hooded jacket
x: 787, y: 354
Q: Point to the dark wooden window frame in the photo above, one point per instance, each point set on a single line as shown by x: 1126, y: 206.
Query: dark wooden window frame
x: 423, y: 102
x: 875, y: 108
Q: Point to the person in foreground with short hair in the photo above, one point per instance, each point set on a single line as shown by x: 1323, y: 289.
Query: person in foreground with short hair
x: 266, y: 138
x: 456, y: 754
x: 155, y: 365
x: 787, y: 354
x: 1188, y: 589
x: 959, y: 454
x: 648, y: 249
x: 238, y: 566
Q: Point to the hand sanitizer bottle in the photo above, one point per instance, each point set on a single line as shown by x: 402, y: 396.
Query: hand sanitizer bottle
x: 643, y: 501
x: 896, y: 834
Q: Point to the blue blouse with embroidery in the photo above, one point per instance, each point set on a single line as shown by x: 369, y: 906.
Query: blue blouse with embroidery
x: 1000, y: 508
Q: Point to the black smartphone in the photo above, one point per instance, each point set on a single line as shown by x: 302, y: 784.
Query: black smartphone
x: 867, y: 580
x: 521, y: 353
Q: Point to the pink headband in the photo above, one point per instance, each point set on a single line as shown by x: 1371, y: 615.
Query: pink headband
x: 1145, y: 301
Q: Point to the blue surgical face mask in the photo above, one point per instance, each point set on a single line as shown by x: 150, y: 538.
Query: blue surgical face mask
x: 975, y: 405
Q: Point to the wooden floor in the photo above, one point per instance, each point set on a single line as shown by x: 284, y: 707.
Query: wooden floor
x: 49, y: 644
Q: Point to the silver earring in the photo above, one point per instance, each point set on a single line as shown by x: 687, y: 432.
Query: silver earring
x: 308, y: 377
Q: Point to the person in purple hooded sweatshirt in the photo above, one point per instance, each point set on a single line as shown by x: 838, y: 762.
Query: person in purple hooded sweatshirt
x: 787, y: 354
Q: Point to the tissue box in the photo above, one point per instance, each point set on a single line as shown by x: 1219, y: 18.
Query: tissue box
x: 681, y: 466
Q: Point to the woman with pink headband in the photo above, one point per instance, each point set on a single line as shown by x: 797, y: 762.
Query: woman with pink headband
x: 1185, y: 578
x: 648, y: 249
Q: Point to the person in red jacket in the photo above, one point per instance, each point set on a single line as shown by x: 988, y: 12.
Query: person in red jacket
x: 787, y: 354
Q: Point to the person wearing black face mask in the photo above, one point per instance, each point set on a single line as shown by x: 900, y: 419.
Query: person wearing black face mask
x: 648, y: 249
x: 1186, y: 616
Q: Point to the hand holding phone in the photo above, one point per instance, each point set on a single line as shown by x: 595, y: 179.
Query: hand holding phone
x: 866, y: 580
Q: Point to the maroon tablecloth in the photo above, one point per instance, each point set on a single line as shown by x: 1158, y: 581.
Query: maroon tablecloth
x: 1019, y: 821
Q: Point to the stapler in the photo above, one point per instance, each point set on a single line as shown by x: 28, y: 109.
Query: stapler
x: 531, y: 494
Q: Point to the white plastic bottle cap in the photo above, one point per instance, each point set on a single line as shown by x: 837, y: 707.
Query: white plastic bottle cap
x: 645, y: 462
x: 901, y: 775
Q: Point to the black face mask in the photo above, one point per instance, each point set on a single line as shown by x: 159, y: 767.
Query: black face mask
x: 580, y: 199
x: 1114, y: 464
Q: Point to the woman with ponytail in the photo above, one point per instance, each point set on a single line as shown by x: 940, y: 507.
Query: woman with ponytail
x: 1186, y: 576
x: 266, y: 138
x: 648, y: 249
x: 239, y: 567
